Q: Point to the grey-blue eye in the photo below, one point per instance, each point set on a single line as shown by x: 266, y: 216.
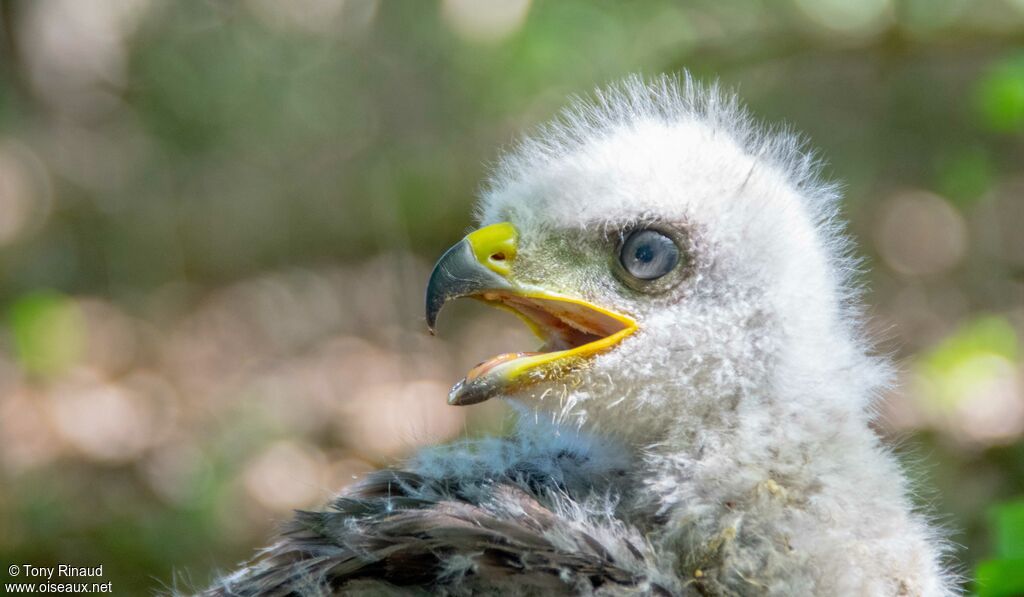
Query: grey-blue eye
x: 648, y: 254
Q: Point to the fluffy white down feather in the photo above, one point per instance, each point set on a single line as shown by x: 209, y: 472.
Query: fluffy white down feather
x: 743, y: 404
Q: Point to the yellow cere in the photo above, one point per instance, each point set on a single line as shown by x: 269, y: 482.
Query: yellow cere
x: 495, y: 246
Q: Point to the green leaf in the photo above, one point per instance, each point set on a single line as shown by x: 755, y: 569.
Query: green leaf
x: 1000, y: 578
x: 980, y: 351
x: 1000, y: 96
x: 1009, y: 527
x: 48, y: 331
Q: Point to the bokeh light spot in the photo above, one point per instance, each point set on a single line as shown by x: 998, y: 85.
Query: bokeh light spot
x: 25, y: 192
x: 285, y: 476
x: 485, y: 21
x: 921, y: 233
x: 853, y: 18
x: 105, y: 421
x: 1000, y: 96
x: 971, y: 383
x: 49, y: 332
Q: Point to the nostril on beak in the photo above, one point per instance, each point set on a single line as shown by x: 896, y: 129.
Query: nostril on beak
x: 498, y: 257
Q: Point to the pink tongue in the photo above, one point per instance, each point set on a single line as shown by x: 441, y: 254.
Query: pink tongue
x: 487, y: 365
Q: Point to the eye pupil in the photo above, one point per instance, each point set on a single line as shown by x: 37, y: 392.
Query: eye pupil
x: 648, y: 254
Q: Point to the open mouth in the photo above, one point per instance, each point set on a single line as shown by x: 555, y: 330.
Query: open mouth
x: 572, y: 331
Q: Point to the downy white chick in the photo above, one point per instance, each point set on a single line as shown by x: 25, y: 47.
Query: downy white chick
x: 697, y: 421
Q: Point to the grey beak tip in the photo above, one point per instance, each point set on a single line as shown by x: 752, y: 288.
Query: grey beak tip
x: 457, y: 274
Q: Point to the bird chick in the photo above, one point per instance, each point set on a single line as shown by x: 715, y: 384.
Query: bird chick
x: 697, y: 419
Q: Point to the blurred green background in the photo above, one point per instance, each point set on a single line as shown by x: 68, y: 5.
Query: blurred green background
x: 216, y: 220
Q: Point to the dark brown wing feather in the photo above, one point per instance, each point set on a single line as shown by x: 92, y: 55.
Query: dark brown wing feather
x: 419, y: 534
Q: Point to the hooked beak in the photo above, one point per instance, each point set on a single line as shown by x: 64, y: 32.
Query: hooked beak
x: 482, y: 266
x: 474, y: 265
